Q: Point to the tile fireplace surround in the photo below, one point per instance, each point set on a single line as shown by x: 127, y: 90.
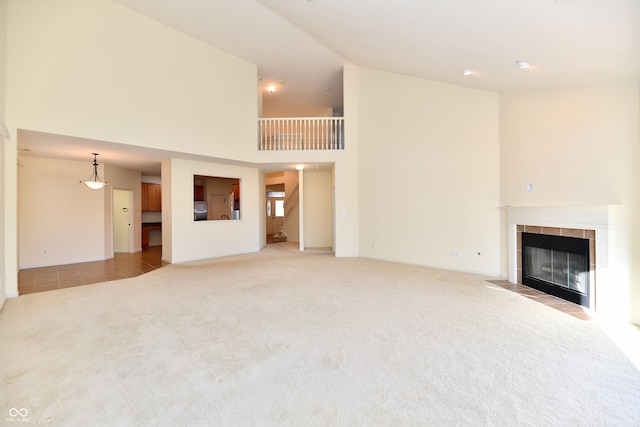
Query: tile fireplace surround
x: 585, y: 222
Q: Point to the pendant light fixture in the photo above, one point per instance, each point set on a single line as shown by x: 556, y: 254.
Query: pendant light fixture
x: 94, y: 182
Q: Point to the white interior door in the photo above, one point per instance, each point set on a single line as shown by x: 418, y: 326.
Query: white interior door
x: 122, y: 221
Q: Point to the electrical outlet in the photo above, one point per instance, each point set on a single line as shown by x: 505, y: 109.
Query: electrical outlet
x: 45, y: 251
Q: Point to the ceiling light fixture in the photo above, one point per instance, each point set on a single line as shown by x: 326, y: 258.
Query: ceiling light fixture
x: 271, y: 88
x: 467, y: 72
x: 300, y: 167
x: 523, y: 65
x: 94, y: 182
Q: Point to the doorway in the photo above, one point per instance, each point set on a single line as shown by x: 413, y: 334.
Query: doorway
x: 275, y: 215
x: 122, y: 221
x: 282, y: 207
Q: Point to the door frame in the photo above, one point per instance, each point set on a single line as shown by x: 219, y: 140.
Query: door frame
x: 130, y: 228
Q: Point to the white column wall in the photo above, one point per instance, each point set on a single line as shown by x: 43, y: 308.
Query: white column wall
x: 184, y: 239
x: 318, y: 209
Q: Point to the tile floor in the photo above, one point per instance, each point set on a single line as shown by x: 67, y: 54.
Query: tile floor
x: 122, y: 266
x: 558, y: 303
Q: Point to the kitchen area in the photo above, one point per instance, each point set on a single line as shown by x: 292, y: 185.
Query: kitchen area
x: 216, y: 198
x: 151, y: 213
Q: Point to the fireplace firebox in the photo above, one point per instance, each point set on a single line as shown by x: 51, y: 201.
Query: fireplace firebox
x: 557, y: 265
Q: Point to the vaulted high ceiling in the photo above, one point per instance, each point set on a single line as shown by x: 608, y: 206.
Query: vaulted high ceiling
x: 305, y: 43
x: 302, y: 45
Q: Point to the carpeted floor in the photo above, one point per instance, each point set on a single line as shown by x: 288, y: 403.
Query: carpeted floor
x: 289, y: 338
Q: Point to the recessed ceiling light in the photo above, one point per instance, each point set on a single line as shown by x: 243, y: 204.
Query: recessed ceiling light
x: 467, y: 72
x: 271, y: 88
x: 523, y: 65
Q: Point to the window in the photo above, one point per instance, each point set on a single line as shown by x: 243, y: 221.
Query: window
x: 279, y: 207
x: 275, y: 207
x: 216, y: 198
x: 275, y: 193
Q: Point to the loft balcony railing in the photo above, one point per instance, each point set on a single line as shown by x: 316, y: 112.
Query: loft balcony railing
x: 301, y: 133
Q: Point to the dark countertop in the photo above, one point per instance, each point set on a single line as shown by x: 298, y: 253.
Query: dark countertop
x: 152, y: 224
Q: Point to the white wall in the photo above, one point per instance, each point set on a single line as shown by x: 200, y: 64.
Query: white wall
x: 95, y: 69
x: 184, y: 239
x: 60, y: 220
x: 5, y: 204
x: 573, y: 145
x: 429, y: 178
x: 72, y: 222
x: 580, y: 147
x: 9, y: 216
x: 318, y: 209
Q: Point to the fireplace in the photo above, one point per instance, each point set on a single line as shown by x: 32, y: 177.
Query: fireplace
x: 557, y: 265
x: 592, y: 223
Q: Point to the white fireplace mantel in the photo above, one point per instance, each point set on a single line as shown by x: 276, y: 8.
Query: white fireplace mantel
x: 587, y: 217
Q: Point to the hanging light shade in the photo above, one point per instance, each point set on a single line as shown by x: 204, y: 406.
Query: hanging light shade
x: 94, y: 182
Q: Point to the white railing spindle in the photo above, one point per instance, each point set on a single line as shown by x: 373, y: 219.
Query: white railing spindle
x: 307, y: 133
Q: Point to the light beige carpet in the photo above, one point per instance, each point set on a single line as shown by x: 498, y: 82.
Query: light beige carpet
x: 296, y: 339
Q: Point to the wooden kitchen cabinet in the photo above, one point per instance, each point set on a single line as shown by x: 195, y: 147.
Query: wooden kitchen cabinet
x: 146, y: 228
x: 151, y: 197
x: 236, y: 192
x: 198, y: 192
